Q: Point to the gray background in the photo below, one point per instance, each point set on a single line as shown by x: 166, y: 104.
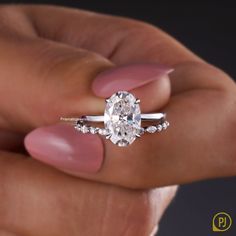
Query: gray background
x: 209, y: 29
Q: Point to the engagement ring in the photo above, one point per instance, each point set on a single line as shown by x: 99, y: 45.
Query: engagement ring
x: 122, y: 120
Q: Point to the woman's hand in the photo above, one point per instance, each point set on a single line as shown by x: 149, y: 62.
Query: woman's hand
x: 198, y: 98
x: 45, y: 73
x: 37, y: 200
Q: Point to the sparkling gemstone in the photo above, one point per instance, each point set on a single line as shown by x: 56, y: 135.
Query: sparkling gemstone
x: 165, y: 125
x: 93, y: 130
x: 78, y: 126
x: 122, y: 118
x: 84, y: 129
x: 159, y: 128
x: 103, y: 132
x: 151, y: 129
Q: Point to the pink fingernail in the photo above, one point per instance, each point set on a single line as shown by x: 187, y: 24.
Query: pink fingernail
x: 127, y: 78
x: 65, y: 148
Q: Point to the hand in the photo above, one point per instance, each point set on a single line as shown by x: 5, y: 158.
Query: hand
x: 37, y: 200
x: 198, y: 98
x: 44, y: 73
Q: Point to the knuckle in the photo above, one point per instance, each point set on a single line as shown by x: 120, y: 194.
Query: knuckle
x: 225, y: 82
x: 138, y: 209
x: 217, y: 78
x: 125, y: 211
x: 142, y: 216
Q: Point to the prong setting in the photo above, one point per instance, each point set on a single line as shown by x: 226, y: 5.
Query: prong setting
x: 108, y: 136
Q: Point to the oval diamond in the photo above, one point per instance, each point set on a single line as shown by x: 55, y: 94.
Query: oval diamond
x: 122, y: 117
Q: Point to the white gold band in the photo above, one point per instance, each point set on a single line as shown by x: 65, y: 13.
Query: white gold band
x: 144, y: 117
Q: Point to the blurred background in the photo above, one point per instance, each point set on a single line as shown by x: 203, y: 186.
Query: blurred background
x: 209, y: 29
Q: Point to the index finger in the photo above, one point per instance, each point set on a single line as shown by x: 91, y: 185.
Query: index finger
x: 121, y: 40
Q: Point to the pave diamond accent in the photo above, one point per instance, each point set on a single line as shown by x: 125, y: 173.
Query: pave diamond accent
x: 78, y: 126
x: 84, y: 129
x: 122, y: 118
x: 141, y: 131
x: 151, y: 129
x: 103, y: 132
x: 165, y: 125
x: 159, y: 128
x: 93, y: 130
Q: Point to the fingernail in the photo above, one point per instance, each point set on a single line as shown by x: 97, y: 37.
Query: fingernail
x: 127, y: 78
x: 65, y: 148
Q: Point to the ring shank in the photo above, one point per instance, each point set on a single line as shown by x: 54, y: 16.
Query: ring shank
x: 153, y: 116
x: 144, y: 117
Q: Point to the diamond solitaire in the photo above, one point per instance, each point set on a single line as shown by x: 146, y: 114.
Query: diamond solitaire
x: 122, y: 120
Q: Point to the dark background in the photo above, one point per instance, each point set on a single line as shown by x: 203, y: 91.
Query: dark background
x: 209, y: 29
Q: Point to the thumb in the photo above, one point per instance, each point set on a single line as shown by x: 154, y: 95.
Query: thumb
x: 45, y: 80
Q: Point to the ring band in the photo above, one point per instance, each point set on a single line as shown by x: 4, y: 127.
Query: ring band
x: 122, y: 120
x: 144, y: 117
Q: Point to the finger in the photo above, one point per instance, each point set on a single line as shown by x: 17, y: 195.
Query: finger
x: 183, y: 59
x: 72, y: 206
x: 197, y: 145
x: 51, y: 80
x: 40, y: 92
x: 127, y: 41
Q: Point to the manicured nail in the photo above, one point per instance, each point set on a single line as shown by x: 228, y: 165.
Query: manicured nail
x: 65, y: 148
x: 127, y: 78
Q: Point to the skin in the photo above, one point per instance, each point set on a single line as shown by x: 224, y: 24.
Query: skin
x: 48, y: 54
x: 36, y: 199
x: 198, y: 98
